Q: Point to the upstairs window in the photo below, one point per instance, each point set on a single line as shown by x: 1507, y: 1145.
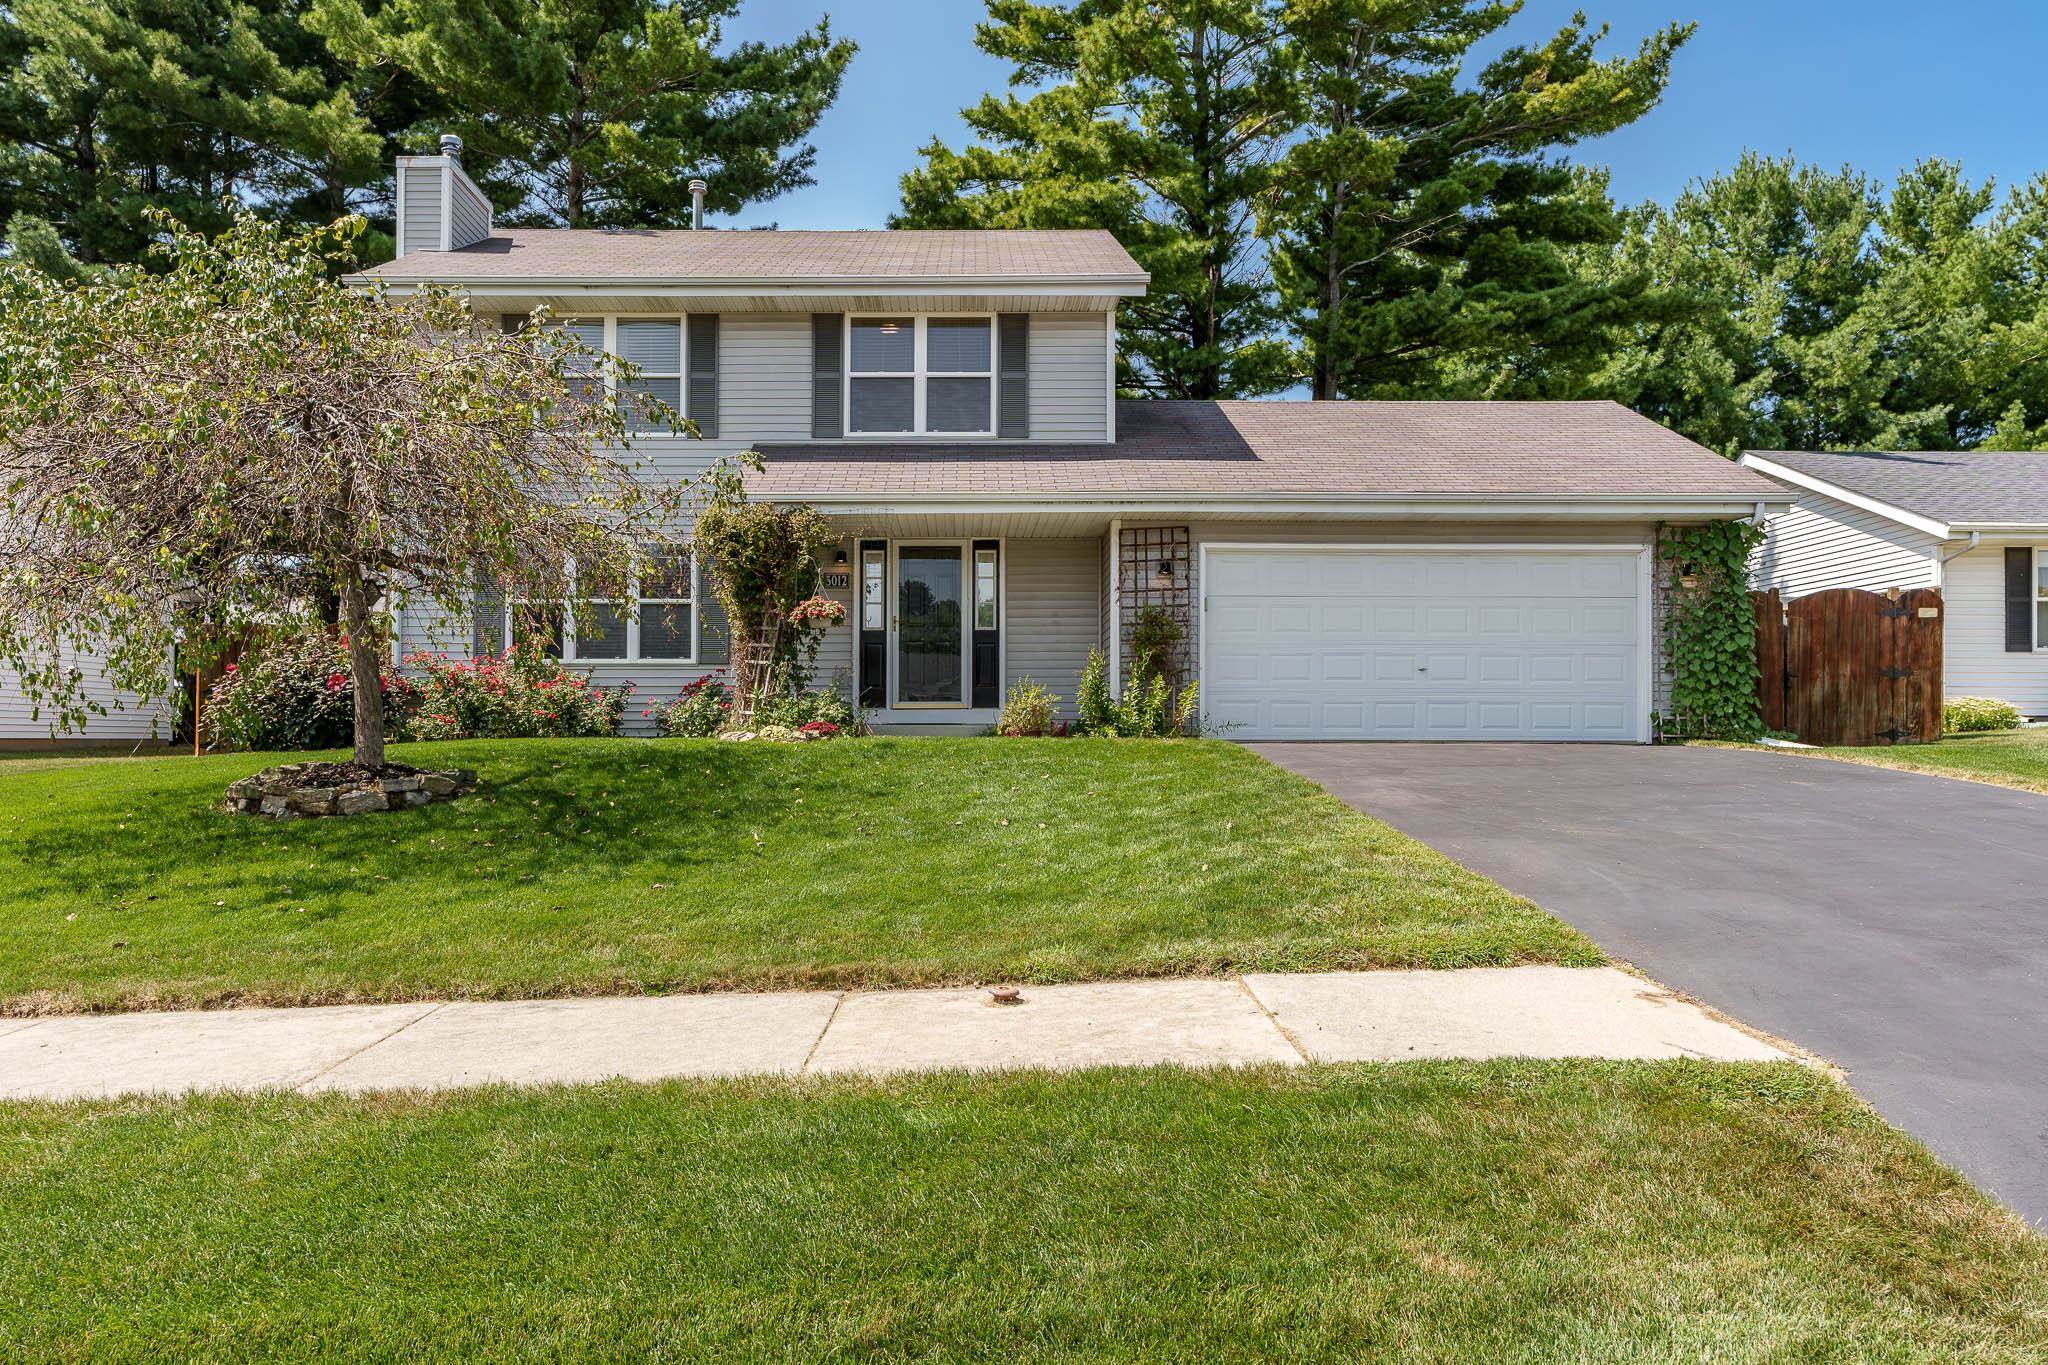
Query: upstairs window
x: 912, y: 376
x: 654, y: 345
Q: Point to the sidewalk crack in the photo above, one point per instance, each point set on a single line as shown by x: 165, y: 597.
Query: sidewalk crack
x: 379, y: 1041
x: 826, y: 1028
x: 1273, y: 1019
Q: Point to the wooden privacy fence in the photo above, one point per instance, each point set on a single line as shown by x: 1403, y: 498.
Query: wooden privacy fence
x: 1851, y: 667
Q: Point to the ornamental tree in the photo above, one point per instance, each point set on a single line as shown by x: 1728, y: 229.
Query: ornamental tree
x: 239, y: 433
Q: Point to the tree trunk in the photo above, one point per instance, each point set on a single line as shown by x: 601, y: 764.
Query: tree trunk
x: 364, y: 669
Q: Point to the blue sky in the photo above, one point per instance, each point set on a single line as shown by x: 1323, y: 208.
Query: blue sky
x: 1877, y: 84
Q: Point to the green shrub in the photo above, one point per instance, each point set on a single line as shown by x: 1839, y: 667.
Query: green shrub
x: 523, y: 695
x: 295, y: 693
x: 1093, y: 700
x: 699, y: 711
x: 1155, y: 637
x: 1029, y: 710
x: 794, y: 710
x: 1974, y: 715
x: 1148, y: 709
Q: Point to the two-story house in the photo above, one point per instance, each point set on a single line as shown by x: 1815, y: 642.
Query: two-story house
x: 1357, y: 570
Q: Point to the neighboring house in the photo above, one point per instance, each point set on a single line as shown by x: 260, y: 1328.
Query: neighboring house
x: 1340, y: 570
x: 1971, y: 523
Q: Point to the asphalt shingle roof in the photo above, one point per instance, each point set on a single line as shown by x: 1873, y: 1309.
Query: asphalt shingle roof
x: 1367, y: 448
x: 1994, y: 487
x: 682, y: 255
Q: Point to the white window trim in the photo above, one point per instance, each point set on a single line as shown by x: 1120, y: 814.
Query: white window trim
x: 632, y: 654
x: 919, y: 374
x: 2040, y: 596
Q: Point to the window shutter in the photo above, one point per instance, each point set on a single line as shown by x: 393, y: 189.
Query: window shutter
x: 714, y: 636
x: 827, y: 364
x: 487, y: 623
x: 1013, y: 403
x: 2019, y: 600
x: 704, y: 373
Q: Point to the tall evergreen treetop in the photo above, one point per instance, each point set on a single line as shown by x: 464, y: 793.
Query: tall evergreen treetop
x: 1160, y: 121
x: 591, y: 113
x: 1422, y: 228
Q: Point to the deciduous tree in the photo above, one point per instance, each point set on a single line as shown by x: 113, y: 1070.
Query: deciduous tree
x: 240, y: 433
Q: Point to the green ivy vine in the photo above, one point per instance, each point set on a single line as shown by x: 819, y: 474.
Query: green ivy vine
x: 1710, y: 630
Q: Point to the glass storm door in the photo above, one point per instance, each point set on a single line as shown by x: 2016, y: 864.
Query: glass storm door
x: 930, y: 621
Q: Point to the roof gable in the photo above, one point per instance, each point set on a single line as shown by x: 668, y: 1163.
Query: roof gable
x: 1963, y: 489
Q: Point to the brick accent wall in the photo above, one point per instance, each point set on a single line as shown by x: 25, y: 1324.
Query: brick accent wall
x: 1140, y: 551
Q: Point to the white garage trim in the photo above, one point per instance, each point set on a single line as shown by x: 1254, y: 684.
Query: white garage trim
x: 1644, y: 591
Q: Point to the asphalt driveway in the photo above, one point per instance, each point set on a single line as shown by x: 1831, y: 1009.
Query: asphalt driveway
x: 1892, y: 922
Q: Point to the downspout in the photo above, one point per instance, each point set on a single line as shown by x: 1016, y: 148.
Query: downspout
x: 1941, y: 560
x: 1969, y: 545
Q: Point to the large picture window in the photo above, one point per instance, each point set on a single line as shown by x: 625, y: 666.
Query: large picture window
x: 920, y: 376
x: 657, y: 625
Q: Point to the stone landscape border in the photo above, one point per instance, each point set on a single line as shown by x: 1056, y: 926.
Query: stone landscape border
x: 295, y: 791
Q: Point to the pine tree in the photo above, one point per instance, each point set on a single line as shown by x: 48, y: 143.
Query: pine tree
x: 1423, y: 231
x: 107, y: 109
x: 1158, y: 120
x: 1817, y: 309
x: 589, y: 113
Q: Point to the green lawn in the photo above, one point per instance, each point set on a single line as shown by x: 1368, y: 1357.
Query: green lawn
x: 2010, y: 758
x: 589, y: 866
x: 1430, y: 1211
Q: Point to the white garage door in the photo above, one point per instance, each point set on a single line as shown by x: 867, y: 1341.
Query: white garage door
x: 1406, y: 644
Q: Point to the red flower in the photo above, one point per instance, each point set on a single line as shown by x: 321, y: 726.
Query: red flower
x: 336, y: 681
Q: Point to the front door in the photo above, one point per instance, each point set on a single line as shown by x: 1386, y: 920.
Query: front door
x: 930, y: 626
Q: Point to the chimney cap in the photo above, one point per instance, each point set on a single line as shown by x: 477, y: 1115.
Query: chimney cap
x: 451, y: 145
x: 699, y: 186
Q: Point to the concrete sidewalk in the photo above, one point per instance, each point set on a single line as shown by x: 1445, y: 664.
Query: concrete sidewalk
x: 1260, y: 1018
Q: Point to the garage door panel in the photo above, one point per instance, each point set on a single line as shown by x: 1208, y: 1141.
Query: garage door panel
x: 1474, y: 651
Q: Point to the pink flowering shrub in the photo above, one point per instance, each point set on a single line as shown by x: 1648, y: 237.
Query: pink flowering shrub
x: 294, y: 693
x: 699, y: 711
x: 521, y: 695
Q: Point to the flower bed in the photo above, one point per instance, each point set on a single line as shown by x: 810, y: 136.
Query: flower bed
x: 521, y: 695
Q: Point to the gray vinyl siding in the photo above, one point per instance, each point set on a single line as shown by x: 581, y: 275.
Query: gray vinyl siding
x: 421, y: 230
x: 472, y: 221
x: 1069, y: 377
x: 764, y: 378
x: 1974, y: 659
x: 1055, y: 601
x: 1824, y: 543
x: 126, y: 719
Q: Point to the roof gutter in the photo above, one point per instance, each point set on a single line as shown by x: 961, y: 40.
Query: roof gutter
x: 1111, y: 286
x: 1486, y: 506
